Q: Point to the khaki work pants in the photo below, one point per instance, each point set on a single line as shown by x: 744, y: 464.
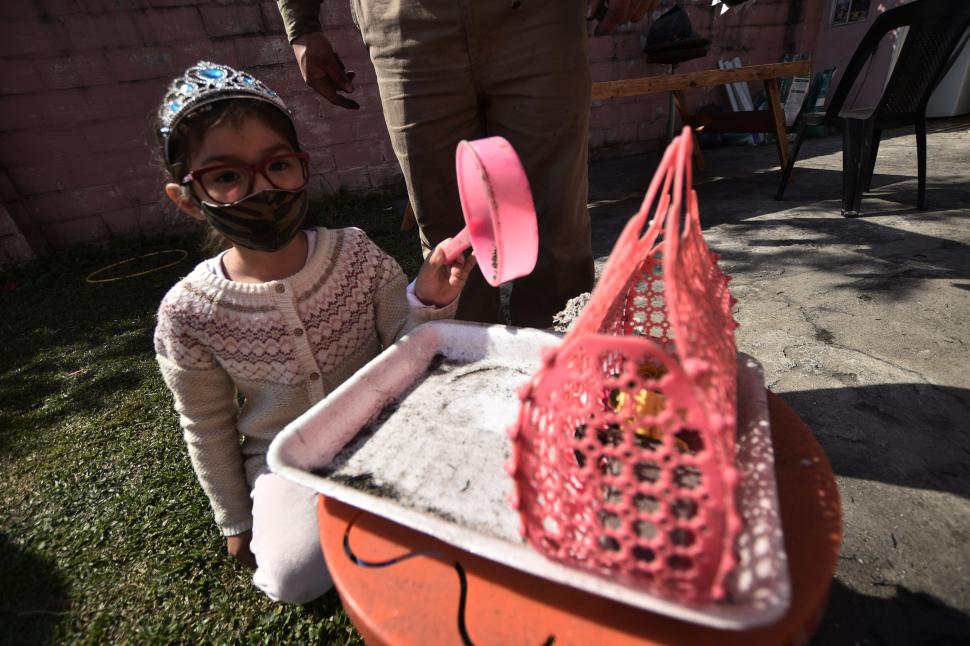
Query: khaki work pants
x: 449, y: 70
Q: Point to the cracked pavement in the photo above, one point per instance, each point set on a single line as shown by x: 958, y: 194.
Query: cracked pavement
x: 863, y: 327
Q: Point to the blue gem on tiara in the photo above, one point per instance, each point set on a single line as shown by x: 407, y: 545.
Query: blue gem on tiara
x: 212, y: 73
x: 206, y: 82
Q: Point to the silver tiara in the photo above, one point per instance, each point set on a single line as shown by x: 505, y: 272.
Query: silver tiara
x: 206, y: 83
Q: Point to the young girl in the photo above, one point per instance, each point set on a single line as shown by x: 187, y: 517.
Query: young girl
x: 253, y: 337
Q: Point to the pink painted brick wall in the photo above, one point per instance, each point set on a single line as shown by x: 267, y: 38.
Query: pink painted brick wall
x: 80, y: 80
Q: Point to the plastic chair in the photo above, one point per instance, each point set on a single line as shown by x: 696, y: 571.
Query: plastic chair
x: 937, y: 33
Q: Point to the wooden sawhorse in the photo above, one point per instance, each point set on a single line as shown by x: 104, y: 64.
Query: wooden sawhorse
x: 770, y: 120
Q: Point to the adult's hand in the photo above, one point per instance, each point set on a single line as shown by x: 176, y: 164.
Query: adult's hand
x: 613, y: 13
x: 323, y: 70
x: 238, y: 548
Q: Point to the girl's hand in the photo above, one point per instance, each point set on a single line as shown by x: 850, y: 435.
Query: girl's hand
x: 439, y: 283
x: 238, y: 547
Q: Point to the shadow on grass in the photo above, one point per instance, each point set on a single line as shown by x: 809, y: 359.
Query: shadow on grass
x: 34, y: 600
x: 376, y: 214
x: 76, y: 344
x: 70, y: 345
x: 94, y: 473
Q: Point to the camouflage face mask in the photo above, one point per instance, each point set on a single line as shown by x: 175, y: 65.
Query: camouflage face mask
x: 264, y: 221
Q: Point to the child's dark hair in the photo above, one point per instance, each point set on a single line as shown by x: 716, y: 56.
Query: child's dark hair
x: 188, y: 134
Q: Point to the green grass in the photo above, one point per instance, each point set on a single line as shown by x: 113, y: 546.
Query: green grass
x: 105, y: 535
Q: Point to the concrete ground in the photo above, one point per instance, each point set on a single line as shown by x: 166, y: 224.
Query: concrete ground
x: 863, y: 327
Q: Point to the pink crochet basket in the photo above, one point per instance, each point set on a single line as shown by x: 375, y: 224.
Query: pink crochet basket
x: 623, y: 452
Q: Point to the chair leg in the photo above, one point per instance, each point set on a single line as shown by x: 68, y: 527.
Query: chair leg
x: 921, y: 162
x: 871, y: 166
x: 773, y: 97
x: 852, y: 136
x: 864, y: 161
x: 792, y: 156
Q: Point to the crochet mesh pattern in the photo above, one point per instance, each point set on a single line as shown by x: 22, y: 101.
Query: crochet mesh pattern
x: 624, y: 449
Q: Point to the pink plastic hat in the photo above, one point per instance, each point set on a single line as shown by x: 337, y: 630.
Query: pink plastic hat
x: 500, y: 217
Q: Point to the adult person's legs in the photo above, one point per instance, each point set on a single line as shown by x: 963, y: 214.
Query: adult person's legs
x: 440, y: 65
x: 430, y: 101
x: 532, y: 65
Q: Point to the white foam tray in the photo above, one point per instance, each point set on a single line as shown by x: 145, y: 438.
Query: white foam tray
x: 435, y: 463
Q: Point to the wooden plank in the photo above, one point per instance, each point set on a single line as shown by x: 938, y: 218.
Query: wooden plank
x: 703, y: 78
x: 756, y: 121
x: 408, y: 222
x: 773, y: 96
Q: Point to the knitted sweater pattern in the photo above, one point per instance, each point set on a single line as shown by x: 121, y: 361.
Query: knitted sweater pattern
x: 280, y: 347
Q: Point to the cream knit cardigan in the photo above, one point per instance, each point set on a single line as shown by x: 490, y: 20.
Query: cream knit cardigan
x: 243, y: 360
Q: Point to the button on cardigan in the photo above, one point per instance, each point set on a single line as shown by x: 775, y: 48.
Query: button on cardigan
x: 243, y: 360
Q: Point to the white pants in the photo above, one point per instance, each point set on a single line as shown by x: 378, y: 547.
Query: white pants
x: 286, y: 541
